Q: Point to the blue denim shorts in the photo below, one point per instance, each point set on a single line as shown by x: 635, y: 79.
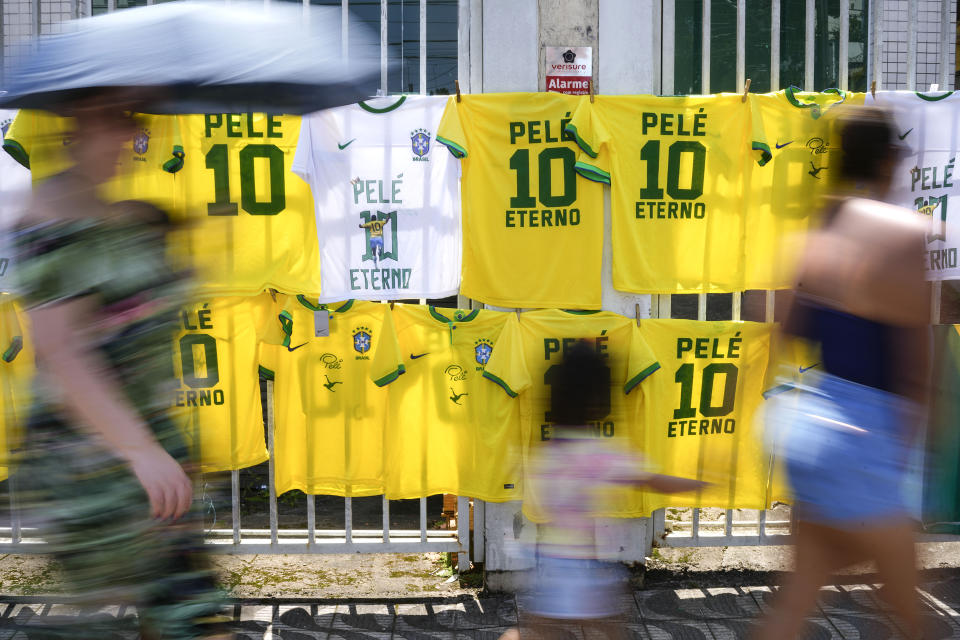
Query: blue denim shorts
x: 571, y: 588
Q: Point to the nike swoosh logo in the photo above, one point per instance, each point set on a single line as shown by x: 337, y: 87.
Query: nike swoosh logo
x: 781, y: 146
x: 906, y: 134
x: 413, y: 357
x: 345, y: 144
x: 805, y: 369
x: 292, y: 349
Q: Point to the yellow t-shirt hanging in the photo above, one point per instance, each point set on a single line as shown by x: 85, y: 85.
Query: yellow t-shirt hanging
x: 216, y: 362
x: 532, y: 232
x: 17, y: 366
x: 522, y: 365
x: 146, y: 168
x: 252, y: 218
x: 699, y: 420
x: 791, y: 138
x: 677, y: 167
x: 448, y: 430
x: 329, y: 415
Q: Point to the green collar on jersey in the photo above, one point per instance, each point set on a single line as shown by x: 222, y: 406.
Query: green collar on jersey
x: 366, y: 107
x: 930, y: 98
x: 459, y: 315
x: 324, y: 307
x: 581, y: 312
x: 815, y: 109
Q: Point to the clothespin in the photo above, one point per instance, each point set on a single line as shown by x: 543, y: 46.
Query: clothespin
x: 518, y: 314
x: 637, y: 312
x: 873, y: 89
x: 391, y: 305
x: 591, y: 90
x: 746, y: 90
x: 456, y: 83
x: 273, y: 294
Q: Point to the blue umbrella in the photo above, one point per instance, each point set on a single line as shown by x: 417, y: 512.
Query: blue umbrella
x: 200, y: 57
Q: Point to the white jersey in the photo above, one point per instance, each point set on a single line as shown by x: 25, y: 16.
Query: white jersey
x: 927, y: 176
x: 14, y: 197
x: 387, y: 199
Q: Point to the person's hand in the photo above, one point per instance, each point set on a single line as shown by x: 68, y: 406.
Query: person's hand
x: 165, y: 482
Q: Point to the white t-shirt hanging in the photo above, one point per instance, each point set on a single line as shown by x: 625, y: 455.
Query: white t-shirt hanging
x: 387, y: 199
x: 15, y: 194
x: 928, y: 126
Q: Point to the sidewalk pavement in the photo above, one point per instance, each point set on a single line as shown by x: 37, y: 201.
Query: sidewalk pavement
x: 848, y: 611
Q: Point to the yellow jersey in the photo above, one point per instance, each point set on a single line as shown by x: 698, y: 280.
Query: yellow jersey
x: 330, y: 415
x: 448, y: 430
x: 17, y: 366
x: 792, y: 134
x: 701, y: 422
x: 532, y: 232
x: 677, y: 167
x: 522, y: 364
x: 146, y: 169
x: 252, y: 220
x: 216, y: 362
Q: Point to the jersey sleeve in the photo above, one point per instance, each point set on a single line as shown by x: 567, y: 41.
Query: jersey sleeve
x: 18, y: 138
x: 387, y: 363
x: 450, y: 133
x: 177, y: 155
x: 592, y: 138
x: 641, y: 363
x: 759, y: 144
x: 507, y: 366
x: 303, y: 156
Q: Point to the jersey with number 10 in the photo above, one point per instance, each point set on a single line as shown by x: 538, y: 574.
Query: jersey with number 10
x: 251, y: 217
x: 532, y: 232
x: 701, y: 422
x: 676, y: 166
x: 525, y: 359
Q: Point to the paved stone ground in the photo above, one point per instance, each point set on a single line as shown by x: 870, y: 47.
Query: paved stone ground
x: 849, y: 611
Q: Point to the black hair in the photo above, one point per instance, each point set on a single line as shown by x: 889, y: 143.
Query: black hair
x: 580, y: 387
x: 867, y: 144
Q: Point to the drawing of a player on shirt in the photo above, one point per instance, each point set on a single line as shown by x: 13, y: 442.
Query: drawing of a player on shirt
x: 375, y: 227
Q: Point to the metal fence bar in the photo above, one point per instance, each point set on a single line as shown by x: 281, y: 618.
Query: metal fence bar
x: 944, y: 44
x: 311, y: 519
x: 876, y: 34
x: 344, y: 29
x: 384, y: 48
x: 844, y: 71
x: 271, y: 471
x: 15, y: 531
x: 775, y: 45
x: 701, y: 306
x: 235, y: 504
x: 695, y: 524
x: 936, y: 289
x: 741, y: 43
x: 423, y: 47
x: 808, y: 45
x: 386, y: 520
x: 463, y: 533
x: 668, y: 46
x: 911, y: 45
x: 705, y: 49
x: 423, y: 519
x: 348, y: 519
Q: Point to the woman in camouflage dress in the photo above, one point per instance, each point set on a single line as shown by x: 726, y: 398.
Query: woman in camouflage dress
x: 104, y: 464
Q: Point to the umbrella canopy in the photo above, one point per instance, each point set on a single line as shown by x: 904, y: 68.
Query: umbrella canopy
x: 201, y: 57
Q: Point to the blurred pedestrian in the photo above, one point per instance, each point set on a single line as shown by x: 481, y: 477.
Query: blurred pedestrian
x: 104, y: 468
x: 574, y: 473
x: 860, y: 296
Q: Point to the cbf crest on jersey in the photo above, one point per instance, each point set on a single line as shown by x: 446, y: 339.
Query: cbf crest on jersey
x: 141, y: 141
x: 482, y: 351
x: 5, y: 126
x: 420, y: 141
x: 362, y: 340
